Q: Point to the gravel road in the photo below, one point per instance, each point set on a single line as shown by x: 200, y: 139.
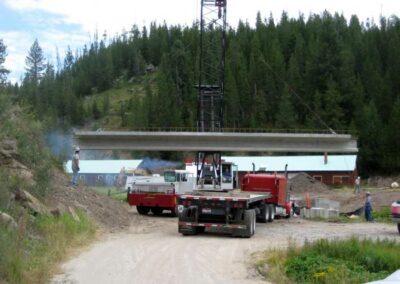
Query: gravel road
x: 151, y: 251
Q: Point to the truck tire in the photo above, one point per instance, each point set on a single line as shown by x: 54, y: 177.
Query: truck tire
x: 142, y: 210
x: 174, y: 212
x: 156, y: 211
x: 271, y: 210
x: 264, y: 216
x: 253, y: 223
x: 249, y: 221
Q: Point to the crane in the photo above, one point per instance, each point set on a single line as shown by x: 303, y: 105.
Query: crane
x: 211, y: 83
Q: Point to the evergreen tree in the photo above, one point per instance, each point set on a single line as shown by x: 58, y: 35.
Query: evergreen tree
x: 391, y: 140
x: 35, y: 63
x: 285, y: 117
x: 3, y: 70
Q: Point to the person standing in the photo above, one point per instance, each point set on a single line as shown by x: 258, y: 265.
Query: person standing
x: 75, y: 167
x: 357, y: 183
x: 368, y: 207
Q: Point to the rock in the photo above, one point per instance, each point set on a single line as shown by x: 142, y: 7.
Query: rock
x: 75, y: 216
x: 394, y: 185
x: 8, y: 221
x: 31, y: 203
x: 9, y: 159
x: 59, y: 210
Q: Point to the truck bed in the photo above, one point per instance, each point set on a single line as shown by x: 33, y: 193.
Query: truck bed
x: 247, y: 197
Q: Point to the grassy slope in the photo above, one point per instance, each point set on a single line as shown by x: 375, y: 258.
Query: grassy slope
x: 29, y: 253
x: 118, y: 95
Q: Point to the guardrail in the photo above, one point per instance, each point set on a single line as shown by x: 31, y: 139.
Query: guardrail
x: 230, y: 130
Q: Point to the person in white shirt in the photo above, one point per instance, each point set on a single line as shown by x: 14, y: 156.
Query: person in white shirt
x: 75, y: 167
x: 357, y: 183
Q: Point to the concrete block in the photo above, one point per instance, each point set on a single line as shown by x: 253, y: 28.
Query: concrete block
x: 316, y: 213
x: 325, y: 203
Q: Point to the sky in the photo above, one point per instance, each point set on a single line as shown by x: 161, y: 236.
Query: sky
x: 58, y: 24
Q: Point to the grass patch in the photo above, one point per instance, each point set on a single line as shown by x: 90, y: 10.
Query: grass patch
x: 113, y: 192
x: 383, y: 215
x: 30, y: 253
x: 335, y: 261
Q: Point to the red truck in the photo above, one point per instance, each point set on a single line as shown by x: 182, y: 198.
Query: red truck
x: 262, y: 197
x: 278, y: 204
x: 157, y: 194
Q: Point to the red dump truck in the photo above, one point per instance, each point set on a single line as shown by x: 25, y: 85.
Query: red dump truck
x: 262, y: 197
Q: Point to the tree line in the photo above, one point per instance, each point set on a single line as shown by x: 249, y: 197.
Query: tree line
x: 323, y: 72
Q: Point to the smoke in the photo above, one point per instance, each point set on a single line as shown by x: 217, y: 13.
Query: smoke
x: 157, y: 165
x: 60, y: 143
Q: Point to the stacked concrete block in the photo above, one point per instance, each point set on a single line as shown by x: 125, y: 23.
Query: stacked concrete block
x: 322, y: 209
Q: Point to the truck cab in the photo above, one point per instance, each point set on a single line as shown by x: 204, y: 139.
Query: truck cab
x: 210, y: 178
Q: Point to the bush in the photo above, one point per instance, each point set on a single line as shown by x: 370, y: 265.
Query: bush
x: 335, y: 261
x: 349, y: 261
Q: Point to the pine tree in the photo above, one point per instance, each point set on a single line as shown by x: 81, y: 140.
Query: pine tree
x: 35, y: 63
x: 3, y: 70
x: 391, y: 140
x: 285, y: 117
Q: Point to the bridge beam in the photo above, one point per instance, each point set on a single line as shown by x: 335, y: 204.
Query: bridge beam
x: 215, y: 141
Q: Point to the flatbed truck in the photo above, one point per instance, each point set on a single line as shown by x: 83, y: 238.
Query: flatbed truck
x: 235, y: 211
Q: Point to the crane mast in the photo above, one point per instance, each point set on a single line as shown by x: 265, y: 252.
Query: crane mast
x: 211, y: 83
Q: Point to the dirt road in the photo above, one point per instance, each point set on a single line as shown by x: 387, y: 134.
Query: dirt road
x: 152, y: 251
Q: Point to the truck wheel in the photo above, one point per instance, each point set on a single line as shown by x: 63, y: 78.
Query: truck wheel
x: 156, y: 211
x: 142, y: 210
x: 254, y: 223
x: 271, y: 210
x: 174, y: 211
x: 264, y: 213
x: 249, y: 220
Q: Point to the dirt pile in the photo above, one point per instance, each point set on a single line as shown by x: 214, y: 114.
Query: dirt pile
x: 110, y: 214
x: 303, y: 183
x: 380, y: 199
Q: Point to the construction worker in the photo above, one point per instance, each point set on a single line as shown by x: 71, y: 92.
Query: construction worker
x: 368, y: 207
x: 75, y: 167
x: 357, y: 185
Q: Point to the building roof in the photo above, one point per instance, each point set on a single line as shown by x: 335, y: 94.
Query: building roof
x: 103, y: 166
x: 295, y: 163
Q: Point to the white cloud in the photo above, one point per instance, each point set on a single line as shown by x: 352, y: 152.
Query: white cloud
x: 114, y: 16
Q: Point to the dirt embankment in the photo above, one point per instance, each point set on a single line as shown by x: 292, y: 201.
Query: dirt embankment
x: 302, y: 184
x: 110, y: 214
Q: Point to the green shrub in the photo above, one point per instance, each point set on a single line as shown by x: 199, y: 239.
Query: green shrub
x: 348, y: 261
x: 383, y: 214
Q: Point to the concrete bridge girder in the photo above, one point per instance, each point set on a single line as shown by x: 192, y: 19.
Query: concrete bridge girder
x: 215, y: 141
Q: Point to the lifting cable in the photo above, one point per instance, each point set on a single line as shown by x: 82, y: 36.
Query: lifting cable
x: 298, y: 96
